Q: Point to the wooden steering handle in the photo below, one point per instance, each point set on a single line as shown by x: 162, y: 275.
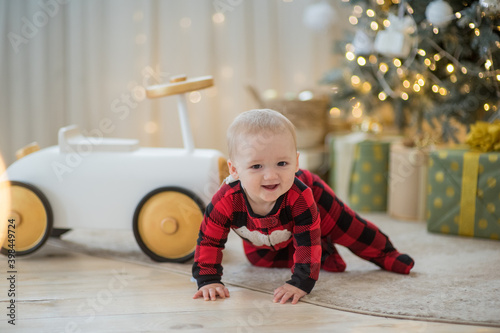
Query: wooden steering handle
x: 179, y: 85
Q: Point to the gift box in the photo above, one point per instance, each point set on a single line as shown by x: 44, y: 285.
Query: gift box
x: 312, y: 159
x: 396, y: 40
x: 463, y: 195
x: 406, y: 196
x: 368, y: 181
x: 341, y: 157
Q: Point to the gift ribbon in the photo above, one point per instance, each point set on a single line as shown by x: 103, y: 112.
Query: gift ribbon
x: 468, y: 196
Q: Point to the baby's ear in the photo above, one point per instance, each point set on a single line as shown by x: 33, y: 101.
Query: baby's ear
x: 232, y: 169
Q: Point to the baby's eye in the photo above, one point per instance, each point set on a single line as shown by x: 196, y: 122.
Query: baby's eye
x: 256, y: 166
x: 282, y: 163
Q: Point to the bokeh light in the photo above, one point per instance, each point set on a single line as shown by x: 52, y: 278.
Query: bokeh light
x: 195, y: 97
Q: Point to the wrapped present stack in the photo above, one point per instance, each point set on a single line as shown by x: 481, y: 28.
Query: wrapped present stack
x: 368, y: 185
x: 407, y: 179
x: 342, y: 147
x: 464, y: 186
x: 359, y: 166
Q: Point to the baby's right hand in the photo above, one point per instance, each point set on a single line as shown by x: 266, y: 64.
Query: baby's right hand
x: 210, y: 292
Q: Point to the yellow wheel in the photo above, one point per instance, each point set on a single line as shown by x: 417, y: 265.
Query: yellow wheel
x: 167, y: 222
x: 31, y: 215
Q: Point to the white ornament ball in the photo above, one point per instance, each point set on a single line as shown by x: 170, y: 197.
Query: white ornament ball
x: 319, y: 16
x: 439, y: 13
x: 490, y: 7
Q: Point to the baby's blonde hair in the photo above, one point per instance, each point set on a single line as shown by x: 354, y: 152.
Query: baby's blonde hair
x: 258, y: 122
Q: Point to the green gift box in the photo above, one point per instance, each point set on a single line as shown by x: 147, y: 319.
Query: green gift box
x: 368, y: 183
x: 463, y: 193
x: 342, y: 147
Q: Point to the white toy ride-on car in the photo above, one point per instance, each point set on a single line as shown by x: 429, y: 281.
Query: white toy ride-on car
x: 106, y: 183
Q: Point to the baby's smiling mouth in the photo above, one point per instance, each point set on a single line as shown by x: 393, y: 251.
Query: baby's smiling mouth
x: 270, y: 187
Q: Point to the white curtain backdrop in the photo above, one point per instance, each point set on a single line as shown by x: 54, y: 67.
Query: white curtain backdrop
x: 87, y: 62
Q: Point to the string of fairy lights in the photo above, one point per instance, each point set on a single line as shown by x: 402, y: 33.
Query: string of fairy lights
x: 416, y: 70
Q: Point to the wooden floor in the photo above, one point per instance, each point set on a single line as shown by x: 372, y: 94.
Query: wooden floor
x: 71, y: 292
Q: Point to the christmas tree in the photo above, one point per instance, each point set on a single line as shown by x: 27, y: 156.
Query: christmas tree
x: 436, y: 62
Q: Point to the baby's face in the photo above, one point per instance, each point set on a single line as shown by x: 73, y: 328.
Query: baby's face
x: 265, y: 164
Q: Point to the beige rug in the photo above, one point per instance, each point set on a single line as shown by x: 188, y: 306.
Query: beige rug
x: 455, y: 279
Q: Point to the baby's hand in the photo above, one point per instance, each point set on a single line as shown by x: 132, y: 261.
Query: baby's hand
x: 210, y: 292
x: 286, y: 292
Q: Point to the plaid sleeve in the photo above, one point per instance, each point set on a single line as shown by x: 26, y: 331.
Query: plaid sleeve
x: 306, y: 239
x: 215, y: 227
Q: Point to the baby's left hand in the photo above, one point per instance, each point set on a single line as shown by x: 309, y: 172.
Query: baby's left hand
x: 286, y: 292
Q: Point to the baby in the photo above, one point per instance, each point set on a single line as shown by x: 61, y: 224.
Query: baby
x: 286, y: 216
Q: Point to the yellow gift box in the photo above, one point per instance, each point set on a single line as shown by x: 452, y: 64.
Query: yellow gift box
x: 463, y: 194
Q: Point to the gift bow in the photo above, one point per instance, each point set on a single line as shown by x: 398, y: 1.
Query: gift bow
x: 484, y: 136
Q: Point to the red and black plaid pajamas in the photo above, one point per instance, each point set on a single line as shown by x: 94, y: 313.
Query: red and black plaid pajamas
x: 292, y: 235
x: 341, y: 225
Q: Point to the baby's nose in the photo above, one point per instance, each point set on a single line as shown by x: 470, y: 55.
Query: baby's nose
x: 270, y: 174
